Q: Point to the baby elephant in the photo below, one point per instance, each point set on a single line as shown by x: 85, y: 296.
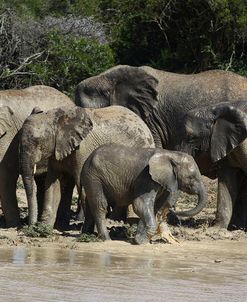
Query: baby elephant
x: 147, y: 178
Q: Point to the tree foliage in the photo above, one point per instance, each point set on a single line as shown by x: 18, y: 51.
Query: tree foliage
x: 69, y: 59
x: 59, y: 51
x: 61, y: 42
x: 187, y: 35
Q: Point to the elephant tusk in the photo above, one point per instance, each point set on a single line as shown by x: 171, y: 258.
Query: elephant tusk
x: 189, y: 129
x: 34, y: 169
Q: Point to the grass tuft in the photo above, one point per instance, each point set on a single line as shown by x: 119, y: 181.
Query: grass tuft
x: 38, y: 230
x: 88, y: 238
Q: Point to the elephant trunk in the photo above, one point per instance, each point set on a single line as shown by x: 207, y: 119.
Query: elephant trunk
x: 31, y: 190
x: 202, y: 200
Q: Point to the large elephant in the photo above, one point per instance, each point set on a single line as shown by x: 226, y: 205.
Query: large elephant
x: 162, y: 99
x: 66, y: 137
x: 217, y: 136
x: 148, y: 178
x: 22, y: 101
x: 20, y: 104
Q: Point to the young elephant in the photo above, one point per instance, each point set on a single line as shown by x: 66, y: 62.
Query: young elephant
x: 148, y: 178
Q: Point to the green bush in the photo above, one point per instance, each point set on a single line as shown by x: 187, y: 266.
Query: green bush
x: 68, y: 60
x: 236, y: 65
x: 186, y: 36
x: 88, y: 238
x: 180, y: 36
x: 38, y: 230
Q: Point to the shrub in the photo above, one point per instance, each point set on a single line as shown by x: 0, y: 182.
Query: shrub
x: 88, y: 238
x: 69, y: 59
x: 38, y: 230
x: 55, y: 51
x: 188, y: 35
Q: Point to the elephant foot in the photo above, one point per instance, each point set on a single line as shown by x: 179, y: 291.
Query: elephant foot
x: 141, y: 239
x: 104, y: 237
x: 12, y: 224
x: 48, y: 219
x: 220, y: 225
x: 163, y: 233
x: 216, y: 229
x: 62, y: 222
x: 62, y: 225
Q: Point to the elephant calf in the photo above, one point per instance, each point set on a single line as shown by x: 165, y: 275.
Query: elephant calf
x: 148, y: 178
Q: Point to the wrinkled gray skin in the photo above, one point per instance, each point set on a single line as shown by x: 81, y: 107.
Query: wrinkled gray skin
x: 218, y: 133
x: 161, y: 99
x: 20, y: 104
x: 147, y: 178
x: 66, y: 137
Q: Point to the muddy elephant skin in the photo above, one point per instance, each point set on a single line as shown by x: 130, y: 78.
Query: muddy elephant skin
x: 162, y: 99
x: 149, y: 179
x: 15, y: 107
x: 66, y: 137
x: 219, y: 134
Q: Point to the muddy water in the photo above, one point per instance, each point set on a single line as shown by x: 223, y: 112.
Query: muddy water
x: 195, y: 272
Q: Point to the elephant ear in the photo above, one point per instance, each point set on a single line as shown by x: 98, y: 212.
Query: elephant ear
x: 229, y: 130
x: 136, y: 90
x: 73, y: 125
x: 161, y: 169
x: 6, y: 120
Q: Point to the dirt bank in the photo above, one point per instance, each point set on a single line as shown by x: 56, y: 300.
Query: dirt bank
x: 191, y: 231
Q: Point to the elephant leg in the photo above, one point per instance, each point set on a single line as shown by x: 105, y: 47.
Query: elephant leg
x: 52, y: 198
x: 162, y: 207
x: 98, y: 206
x: 161, y: 210
x: 227, y: 194
x: 239, y: 216
x: 9, y: 200
x: 88, y: 226
x: 243, y: 206
x: 144, y: 208
x: 40, y: 183
x: 80, y: 213
x: 63, y: 214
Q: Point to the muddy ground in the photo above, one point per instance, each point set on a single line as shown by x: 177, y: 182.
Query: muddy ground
x: 186, y: 231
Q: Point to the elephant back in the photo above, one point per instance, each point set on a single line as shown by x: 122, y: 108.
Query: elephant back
x: 22, y: 101
x: 121, y: 122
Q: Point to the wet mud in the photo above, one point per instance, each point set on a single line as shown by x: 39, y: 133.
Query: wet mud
x: 206, y: 264
x: 117, y: 271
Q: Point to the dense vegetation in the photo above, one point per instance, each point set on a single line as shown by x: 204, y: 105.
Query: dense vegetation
x: 61, y: 42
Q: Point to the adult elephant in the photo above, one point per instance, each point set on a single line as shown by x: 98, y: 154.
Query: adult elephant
x: 15, y: 107
x: 66, y: 137
x: 22, y: 101
x: 216, y: 136
x: 162, y: 99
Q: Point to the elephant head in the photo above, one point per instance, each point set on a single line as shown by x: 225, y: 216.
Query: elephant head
x: 122, y: 85
x: 9, y: 127
x: 212, y: 132
x: 178, y: 171
x: 57, y: 133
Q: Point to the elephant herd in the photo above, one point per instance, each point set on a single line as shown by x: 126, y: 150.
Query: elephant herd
x: 118, y: 155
